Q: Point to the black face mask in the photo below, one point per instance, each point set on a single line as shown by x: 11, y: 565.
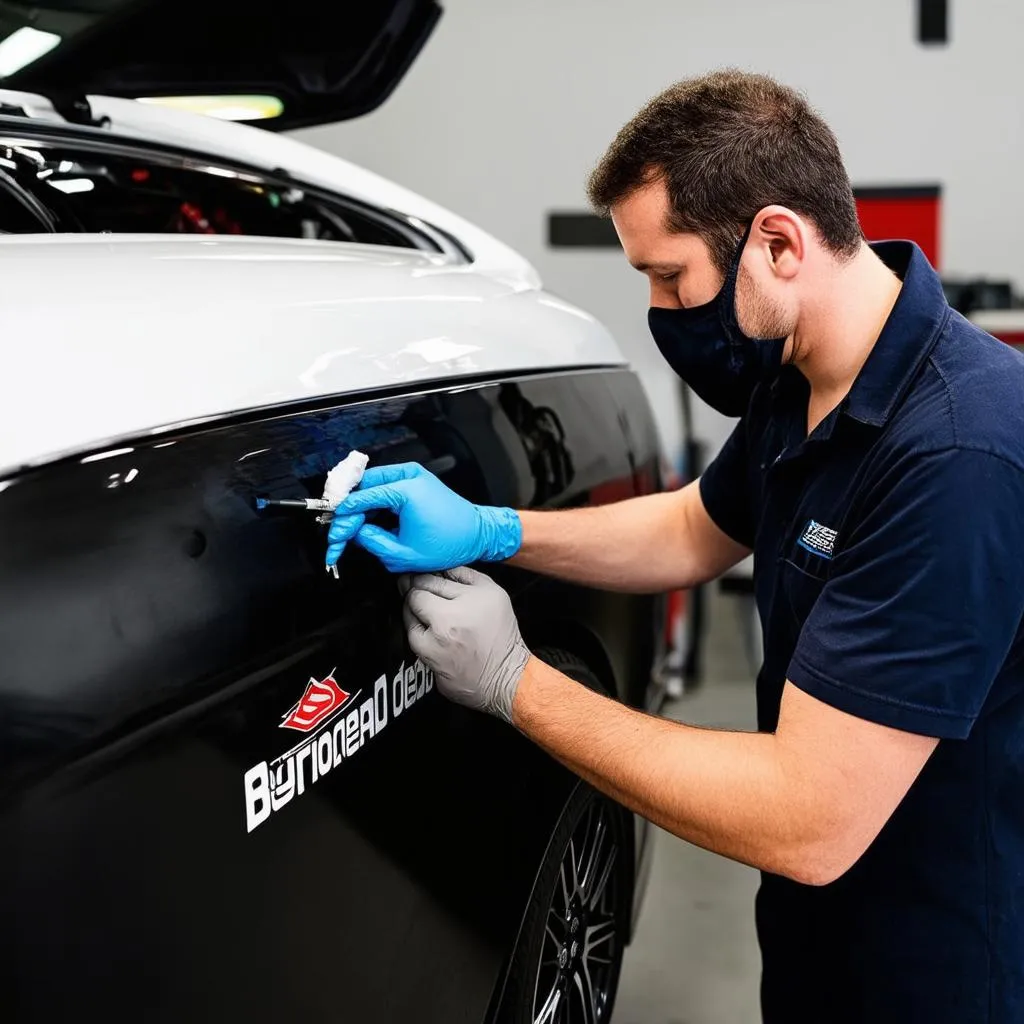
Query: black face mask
x: 705, y: 346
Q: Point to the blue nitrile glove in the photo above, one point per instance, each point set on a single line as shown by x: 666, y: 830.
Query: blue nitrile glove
x: 343, y: 529
x: 436, y: 528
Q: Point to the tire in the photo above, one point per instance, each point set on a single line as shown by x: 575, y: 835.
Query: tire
x: 566, y: 964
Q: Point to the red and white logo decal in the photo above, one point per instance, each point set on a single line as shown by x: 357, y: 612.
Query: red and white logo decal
x: 322, y: 698
x: 335, y: 726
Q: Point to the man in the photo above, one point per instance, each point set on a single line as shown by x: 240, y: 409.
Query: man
x: 877, y: 473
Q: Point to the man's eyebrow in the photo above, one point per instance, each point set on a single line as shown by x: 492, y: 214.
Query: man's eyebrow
x: 644, y: 267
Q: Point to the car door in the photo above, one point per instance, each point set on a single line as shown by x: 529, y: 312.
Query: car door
x: 229, y: 791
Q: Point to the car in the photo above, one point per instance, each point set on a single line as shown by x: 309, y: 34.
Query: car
x: 229, y: 790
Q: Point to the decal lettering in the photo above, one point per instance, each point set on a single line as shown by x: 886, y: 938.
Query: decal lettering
x: 365, y: 722
x: 300, y: 782
x: 352, y: 733
x: 339, y: 742
x: 410, y: 686
x: 380, y: 703
x: 257, y: 790
x: 340, y: 727
x: 284, y: 785
x: 324, y: 753
x: 398, y: 691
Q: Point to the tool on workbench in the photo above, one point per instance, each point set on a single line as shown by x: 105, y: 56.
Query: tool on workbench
x: 341, y: 480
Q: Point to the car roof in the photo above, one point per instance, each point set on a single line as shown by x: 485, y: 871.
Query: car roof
x: 107, y: 338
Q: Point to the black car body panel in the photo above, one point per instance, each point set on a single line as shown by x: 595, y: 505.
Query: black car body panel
x: 157, y: 630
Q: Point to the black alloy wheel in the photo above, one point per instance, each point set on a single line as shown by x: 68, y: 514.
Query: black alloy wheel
x: 581, y: 951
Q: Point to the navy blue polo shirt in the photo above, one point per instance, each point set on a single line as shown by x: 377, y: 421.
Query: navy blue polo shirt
x: 889, y: 577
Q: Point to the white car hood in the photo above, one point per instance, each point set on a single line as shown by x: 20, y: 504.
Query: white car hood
x: 108, y: 337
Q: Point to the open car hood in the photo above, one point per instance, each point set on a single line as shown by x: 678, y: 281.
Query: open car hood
x: 323, y: 60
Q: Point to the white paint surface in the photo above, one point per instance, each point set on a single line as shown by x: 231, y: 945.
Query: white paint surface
x: 116, y: 336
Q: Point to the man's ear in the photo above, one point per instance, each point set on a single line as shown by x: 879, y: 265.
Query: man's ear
x: 783, y: 237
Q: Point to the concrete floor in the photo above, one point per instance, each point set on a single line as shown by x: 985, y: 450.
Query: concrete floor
x: 694, y: 959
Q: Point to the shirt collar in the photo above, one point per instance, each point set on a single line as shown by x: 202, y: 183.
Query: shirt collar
x: 906, y: 340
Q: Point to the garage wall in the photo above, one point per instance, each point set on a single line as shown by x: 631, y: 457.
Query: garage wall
x: 510, y: 104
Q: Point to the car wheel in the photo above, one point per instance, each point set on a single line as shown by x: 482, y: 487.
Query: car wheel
x: 565, y: 969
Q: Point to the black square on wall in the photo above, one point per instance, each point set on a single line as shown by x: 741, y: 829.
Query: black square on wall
x: 933, y: 21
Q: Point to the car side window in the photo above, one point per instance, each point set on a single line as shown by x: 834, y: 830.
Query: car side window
x: 103, y: 188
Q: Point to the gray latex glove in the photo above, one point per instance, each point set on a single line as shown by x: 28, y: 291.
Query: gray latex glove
x: 461, y: 624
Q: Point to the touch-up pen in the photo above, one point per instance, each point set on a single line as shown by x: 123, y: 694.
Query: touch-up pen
x: 312, y: 504
x: 342, y: 479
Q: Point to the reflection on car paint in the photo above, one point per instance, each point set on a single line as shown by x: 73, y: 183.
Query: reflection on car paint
x: 128, y: 719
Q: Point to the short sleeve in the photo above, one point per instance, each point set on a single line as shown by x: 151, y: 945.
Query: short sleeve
x: 924, y: 596
x: 725, y: 488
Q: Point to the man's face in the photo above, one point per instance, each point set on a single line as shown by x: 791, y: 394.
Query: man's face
x: 678, y: 265
x: 681, y: 273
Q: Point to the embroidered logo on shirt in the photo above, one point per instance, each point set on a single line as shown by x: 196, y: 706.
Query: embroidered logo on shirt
x: 818, y: 539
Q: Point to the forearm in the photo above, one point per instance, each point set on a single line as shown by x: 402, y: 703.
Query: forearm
x: 725, y: 791
x: 634, y: 546
x: 805, y: 801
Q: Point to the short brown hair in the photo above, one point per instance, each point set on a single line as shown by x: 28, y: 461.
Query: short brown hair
x: 728, y: 144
